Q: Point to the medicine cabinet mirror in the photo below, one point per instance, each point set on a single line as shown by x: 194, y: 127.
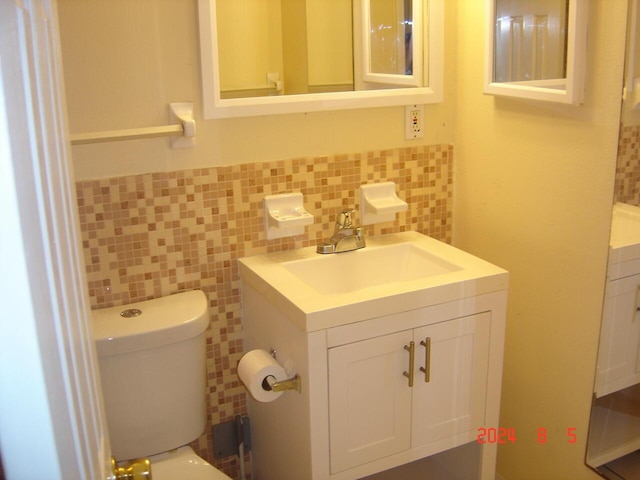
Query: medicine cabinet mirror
x: 536, y: 49
x: 613, y: 445
x: 263, y: 57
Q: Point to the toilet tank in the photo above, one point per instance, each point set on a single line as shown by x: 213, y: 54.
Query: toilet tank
x: 153, y: 372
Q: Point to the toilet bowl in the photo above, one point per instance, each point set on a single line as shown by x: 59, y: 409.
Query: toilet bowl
x: 153, y: 375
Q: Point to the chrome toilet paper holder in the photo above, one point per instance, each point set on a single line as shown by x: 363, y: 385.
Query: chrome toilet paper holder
x: 271, y: 384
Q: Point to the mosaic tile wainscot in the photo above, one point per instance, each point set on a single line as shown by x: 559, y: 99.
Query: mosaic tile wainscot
x: 152, y: 235
x: 628, y: 165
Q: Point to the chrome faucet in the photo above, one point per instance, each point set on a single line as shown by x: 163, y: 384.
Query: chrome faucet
x: 345, y: 237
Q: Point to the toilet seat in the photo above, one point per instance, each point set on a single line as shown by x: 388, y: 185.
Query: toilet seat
x: 183, y: 464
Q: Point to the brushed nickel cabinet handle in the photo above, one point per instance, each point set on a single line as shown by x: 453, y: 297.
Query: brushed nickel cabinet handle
x: 412, y: 350
x: 426, y: 343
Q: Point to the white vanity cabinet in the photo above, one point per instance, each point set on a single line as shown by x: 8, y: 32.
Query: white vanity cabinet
x: 618, y: 356
x: 618, y: 359
x: 378, y: 406
x: 614, y: 428
x: 357, y: 416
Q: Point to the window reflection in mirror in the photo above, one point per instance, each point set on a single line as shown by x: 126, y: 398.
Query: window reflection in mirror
x: 391, y: 54
x: 390, y: 36
x: 530, y: 40
x: 290, y: 47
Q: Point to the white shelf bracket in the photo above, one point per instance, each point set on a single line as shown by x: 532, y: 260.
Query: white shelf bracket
x: 183, y: 113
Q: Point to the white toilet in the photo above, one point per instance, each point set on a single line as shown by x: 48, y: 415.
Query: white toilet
x: 152, y: 367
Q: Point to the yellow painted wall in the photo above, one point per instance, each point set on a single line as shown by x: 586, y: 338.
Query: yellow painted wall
x: 294, y: 47
x: 330, y: 32
x: 126, y: 78
x: 533, y: 193
x: 250, y: 26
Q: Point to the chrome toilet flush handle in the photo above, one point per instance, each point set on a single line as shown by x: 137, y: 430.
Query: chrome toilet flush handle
x: 137, y: 470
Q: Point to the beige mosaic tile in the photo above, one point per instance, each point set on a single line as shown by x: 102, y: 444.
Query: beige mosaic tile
x: 146, y: 236
x: 627, y: 188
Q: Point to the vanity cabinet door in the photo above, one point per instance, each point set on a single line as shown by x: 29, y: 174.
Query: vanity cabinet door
x: 369, y: 400
x: 620, y: 337
x: 449, y: 403
x: 374, y: 412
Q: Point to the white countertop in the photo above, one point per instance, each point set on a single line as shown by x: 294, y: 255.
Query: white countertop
x: 625, y: 233
x: 312, y: 310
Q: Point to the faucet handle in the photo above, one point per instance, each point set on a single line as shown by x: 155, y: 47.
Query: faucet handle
x: 345, y: 218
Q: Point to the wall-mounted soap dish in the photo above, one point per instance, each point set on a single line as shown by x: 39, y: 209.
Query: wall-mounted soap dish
x: 285, y: 216
x: 380, y: 203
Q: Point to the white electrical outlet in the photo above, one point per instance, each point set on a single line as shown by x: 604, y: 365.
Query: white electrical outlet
x: 414, y: 121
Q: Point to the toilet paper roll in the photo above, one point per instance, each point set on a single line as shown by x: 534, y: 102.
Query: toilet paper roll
x: 254, y: 367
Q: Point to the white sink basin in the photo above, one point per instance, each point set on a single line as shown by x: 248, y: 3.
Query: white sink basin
x: 393, y: 273
x: 343, y: 273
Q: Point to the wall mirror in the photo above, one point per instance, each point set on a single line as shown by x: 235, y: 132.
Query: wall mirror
x: 536, y: 49
x: 263, y: 57
x: 613, y: 447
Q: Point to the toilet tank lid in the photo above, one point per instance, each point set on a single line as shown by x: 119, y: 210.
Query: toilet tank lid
x: 162, y: 321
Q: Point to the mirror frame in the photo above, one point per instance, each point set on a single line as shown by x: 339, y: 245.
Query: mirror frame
x: 573, y: 93
x: 216, y: 107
